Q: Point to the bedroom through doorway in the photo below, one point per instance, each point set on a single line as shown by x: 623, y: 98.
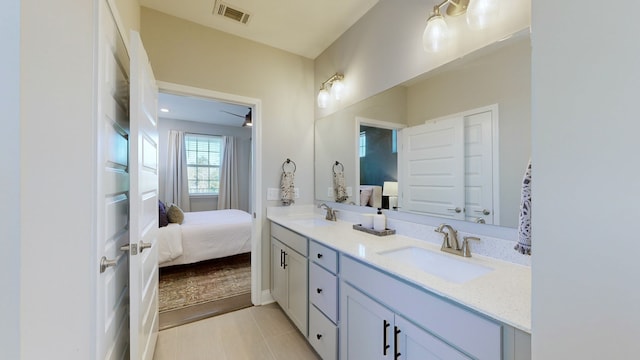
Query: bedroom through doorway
x: 206, y: 165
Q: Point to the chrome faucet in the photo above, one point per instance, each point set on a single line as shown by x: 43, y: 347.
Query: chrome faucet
x: 331, y: 214
x: 450, y: 241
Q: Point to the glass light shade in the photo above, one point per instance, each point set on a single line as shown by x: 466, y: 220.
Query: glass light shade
x: 436, y: 34
x: 481, y: 13
x: 337, y: 89
x: 323, y: 98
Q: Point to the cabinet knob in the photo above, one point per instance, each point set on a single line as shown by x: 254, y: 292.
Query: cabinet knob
x: 318, y: 290
x: 318, y: 336
x: 319, y: 256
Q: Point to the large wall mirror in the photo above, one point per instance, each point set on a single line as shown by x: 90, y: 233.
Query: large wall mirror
x: 389, y: 143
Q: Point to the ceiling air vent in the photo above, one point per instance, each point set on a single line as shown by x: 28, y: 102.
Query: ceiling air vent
x: 232, y: 13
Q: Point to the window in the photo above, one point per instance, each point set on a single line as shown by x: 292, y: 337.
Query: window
x: 363, y: 144
x: 203, y: 163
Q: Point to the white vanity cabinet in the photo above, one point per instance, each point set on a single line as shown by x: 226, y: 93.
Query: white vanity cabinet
x: 289, y: 274
x: 372, y: 331
x: 375, y: 310
x: 350, y: 309
x: 323, y: 300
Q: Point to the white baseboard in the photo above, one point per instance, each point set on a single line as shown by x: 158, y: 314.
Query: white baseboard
x: 266, y: 298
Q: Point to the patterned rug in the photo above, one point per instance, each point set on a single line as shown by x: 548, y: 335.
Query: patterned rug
x: 187, y: 285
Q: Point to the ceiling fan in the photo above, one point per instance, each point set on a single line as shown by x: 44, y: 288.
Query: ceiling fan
x: 247, y: 118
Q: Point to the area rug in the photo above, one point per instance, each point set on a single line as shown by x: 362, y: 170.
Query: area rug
x: 207, y: 281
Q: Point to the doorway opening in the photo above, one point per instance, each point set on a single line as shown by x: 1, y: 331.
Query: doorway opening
x: 194, y: 286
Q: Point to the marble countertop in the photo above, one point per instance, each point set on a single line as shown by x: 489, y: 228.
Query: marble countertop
x: 503, y: 294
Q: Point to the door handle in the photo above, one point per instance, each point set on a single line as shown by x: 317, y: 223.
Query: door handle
x: 281, y: 257
x: 458, y: 210
x: 144, y: 245
x: 385, y: 344
x: 395, y: 342
x: 483, y: 212
x: 284, y: 259
x: 318, y: 290
x: 107, y: 263
x: 319, y: 256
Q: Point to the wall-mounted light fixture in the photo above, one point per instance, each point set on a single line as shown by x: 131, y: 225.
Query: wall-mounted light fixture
x: 480, y: 13
x: 333, y: 84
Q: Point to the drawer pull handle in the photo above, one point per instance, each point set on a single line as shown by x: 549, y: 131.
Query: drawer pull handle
x: 319, y: 256
x: 395, y: 342
x: 318, y: 336
x: 318, y: 290
x: 385, y: 346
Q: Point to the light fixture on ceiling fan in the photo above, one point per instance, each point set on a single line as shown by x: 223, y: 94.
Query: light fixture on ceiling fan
x: 248, y: 122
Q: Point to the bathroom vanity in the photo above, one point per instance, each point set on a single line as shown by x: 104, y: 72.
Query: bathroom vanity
x: 359, y: 296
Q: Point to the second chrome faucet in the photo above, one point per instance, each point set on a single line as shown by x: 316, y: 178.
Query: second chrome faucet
x: 450, y: 241
x: 331, y: 213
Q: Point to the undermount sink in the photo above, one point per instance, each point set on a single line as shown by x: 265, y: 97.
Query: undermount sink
x: 440, y: 265
x: 313, y: 222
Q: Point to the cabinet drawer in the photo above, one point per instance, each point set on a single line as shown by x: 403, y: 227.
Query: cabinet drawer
x: 293, y: 240
x: 323, y: 291
x: 323, y: 335
x: 323, y: 256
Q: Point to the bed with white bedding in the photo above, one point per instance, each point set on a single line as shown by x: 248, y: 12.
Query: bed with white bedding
x: 204, y: 235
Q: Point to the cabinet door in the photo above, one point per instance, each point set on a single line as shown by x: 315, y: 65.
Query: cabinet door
x: 278, y: 274
x: 298, y: 301
x: 366, y: 329
x: 413, y: 343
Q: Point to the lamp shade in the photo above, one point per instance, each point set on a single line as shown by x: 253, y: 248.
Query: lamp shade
x: 390, y: 188
x: 435, y: 34
x: 323, y: 98
x: 481, y: 13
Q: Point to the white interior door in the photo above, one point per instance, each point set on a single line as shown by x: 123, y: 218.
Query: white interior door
x: 113, y: 191
x: 433, y: 170
x: 479, y: 167
x: 143, y: 270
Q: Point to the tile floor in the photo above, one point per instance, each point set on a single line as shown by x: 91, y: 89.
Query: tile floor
x: 259, y: 332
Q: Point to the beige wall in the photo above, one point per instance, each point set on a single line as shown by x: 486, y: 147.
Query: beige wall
x: 585, y: 268
x: 185, y: 53
x: 10, y: 180
x: 129, y: 11
x: 58, y: 263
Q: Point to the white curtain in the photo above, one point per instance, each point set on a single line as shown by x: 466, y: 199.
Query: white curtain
x: 228, y: 195
x: 177, y: 187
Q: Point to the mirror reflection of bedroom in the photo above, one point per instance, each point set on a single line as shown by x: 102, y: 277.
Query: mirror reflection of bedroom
x: 204, y: 232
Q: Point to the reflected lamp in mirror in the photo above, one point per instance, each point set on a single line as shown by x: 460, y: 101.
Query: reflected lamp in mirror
x: 390, y: 189
x: 480, y: 13
x: 333, y: 84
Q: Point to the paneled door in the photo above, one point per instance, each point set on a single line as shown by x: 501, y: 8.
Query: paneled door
x: 112, y: 202
x: 433, y: 174
x: 478, y: 162
x: 143, y: 259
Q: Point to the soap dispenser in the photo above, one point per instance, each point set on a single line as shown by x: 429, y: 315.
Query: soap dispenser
x: 379, y: 221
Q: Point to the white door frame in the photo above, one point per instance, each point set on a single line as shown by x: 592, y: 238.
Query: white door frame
x: 256, y: 171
